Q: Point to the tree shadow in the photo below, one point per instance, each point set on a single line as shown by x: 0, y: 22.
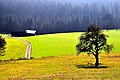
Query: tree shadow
x: 90, y: 66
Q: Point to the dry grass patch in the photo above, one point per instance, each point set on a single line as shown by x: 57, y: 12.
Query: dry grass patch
x: 62, y: 68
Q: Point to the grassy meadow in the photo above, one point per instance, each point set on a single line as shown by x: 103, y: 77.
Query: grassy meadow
x: 53, y: 44
x: 55, y: 59
x: 15, y: 49
x: 69, y: 67
x: 64, y: 43
x: 114, y: 38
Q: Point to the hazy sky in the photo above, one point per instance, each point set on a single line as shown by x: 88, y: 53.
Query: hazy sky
x: 89, y: 1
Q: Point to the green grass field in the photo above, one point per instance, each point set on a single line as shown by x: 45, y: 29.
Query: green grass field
x: 64, y: 43
x: 114, y: 38
x: 53, y: 44
x: 15, y: 49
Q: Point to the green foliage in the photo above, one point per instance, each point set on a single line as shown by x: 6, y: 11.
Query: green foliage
x: 2, y: 46
x: 93, y: 41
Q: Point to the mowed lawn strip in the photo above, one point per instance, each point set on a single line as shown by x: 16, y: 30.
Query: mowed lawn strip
x: 64, y: 43
x: 15, y: 49
x: 67, y: 67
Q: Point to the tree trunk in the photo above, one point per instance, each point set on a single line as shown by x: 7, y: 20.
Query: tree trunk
x: 97, y: 60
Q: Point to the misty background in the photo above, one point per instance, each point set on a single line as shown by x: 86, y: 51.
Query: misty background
x: 52, y: 16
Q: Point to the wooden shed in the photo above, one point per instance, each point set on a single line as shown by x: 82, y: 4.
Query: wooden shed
x: 23, y: 33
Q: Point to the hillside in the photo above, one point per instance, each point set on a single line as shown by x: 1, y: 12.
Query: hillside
x: 62, y: 62
x: 15, y: 49
x: 64, y: 43
x: 41, y: 38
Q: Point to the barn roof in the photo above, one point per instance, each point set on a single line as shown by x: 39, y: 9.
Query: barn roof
x: 31, y: 31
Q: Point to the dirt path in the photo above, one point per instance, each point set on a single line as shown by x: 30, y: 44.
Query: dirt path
x: 28, y: 49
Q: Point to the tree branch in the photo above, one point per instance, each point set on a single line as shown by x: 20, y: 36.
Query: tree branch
x: 93, y: 50
x: 94, y: 54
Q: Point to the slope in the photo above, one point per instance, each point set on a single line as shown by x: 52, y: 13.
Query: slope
x: 64, y: 43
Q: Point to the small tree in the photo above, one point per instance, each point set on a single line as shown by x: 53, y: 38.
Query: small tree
x: 93, y: 42
x: 2, y: 46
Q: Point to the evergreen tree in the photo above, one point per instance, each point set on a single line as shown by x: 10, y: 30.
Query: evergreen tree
x: 2, y: 46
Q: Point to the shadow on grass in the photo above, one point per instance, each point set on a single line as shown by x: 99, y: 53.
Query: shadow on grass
x: 90, y: 66
x: 7, y: 61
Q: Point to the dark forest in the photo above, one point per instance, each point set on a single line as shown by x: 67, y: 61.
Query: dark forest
x: 52, y: 16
